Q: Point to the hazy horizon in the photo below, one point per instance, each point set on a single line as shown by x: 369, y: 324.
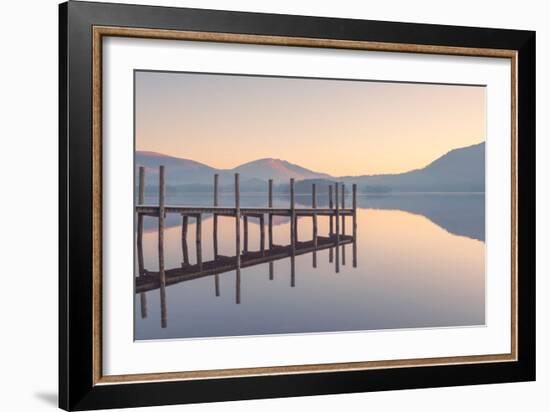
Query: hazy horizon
x: 338, y: 127
x: 320, y: 171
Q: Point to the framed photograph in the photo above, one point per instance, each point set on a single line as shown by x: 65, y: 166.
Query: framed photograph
x: 256, y: 205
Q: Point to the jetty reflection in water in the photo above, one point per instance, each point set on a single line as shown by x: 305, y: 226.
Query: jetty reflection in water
x: 401, y: 270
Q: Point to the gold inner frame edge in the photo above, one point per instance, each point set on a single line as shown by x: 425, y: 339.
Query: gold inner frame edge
x: 101, y: 31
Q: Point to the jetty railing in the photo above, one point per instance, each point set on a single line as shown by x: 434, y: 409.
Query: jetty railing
x: 337, y: 212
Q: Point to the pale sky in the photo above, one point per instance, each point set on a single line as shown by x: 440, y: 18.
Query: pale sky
x: 332, y: 126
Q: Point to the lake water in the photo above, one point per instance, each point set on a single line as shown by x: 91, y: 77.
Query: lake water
x: 420, y: 264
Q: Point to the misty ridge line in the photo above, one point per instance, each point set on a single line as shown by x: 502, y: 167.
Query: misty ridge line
x: 459, y: 170
x: 274, y: 161
x: 277, y: 161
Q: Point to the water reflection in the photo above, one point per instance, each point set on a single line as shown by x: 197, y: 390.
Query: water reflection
x: 406, y: 271
x: 149, y: 279
x: 459, y: 213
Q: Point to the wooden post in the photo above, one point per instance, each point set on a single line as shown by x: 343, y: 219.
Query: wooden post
x: 141, y: 185
x: 245, y: 232
x: 216, y: 181
x: 331, y: 224
x: 270, y: 270
x: 198, y: 240
x: 262, y: 233
x: 354, y: 200
x: 344, y: 254
x: 314, y: 218
x: 293, y: 236
x: 163, y: 310
x: 270, y: 217
x: 313, y: 196
x: 336, y: 211
x: 343, y: 207
x: 162, y: 276
x: 237, y: 241
x: 184, y: 250
x: 141, y: 270
x: 217, y: 284
x: 143, y: 303
x: 343, y: 222
x: 330, y: 205
x: 270, y: 193
x: 237, y: 221
x: 141, y: 195
x: 238, y: 286
x: 337, y: 220
x: 215, y: 216
x: 292, y: 269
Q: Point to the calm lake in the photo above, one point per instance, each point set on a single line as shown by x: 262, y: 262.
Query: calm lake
x: 420, y: 264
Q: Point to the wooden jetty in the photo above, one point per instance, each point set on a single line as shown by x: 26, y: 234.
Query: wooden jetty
x: 336, y: 212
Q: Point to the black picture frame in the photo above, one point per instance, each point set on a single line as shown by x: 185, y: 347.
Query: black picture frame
x: 77, y: 390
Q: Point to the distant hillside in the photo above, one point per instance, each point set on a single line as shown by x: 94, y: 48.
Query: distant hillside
x: 177, y: 170
x: 181, y: 171
x: 276, y: 169
x: 460, y: 170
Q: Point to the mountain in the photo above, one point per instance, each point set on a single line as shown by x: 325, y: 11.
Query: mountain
x: 278, y: 170
x: 460, y: 170
x: 181, y: 171
x: 178, y: 170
